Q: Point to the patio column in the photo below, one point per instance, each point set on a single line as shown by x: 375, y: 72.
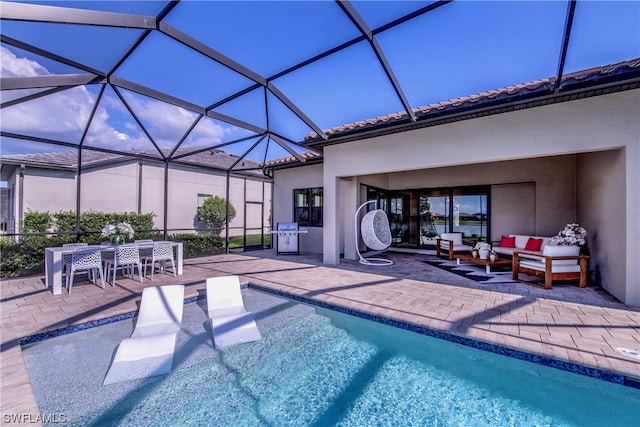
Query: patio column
x: 350, y: 201
x: 330, y: 220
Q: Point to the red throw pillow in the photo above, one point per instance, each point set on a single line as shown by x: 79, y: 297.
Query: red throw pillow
x: 508, y: 242
x: 533, y: 244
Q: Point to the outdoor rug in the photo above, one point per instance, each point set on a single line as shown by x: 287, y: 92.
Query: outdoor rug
x: 472, y: 271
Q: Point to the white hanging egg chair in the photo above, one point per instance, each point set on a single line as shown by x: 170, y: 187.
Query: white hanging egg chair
x: 375, y: 232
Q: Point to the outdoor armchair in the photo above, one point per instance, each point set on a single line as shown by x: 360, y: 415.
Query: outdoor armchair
x: 555, y: 263
x: 449, y: 243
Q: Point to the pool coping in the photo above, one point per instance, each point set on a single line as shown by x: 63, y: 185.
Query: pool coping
x: 547, y: 361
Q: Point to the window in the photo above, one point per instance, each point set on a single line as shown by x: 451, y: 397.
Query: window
x: 307, y: 207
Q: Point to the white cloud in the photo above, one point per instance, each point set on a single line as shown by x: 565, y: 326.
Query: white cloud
x: 167, y: 123
x: 12, y: 66
x: 63, y: 116
x: 103, y: 134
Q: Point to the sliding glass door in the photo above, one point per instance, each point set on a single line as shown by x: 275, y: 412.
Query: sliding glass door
x: 463, y: 210
x: 470, y: 214
x: 417, y: 217
x: 435, y: 215
x: 399, y: 218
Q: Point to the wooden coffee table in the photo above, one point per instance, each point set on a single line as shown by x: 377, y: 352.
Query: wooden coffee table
x: 500, y: 262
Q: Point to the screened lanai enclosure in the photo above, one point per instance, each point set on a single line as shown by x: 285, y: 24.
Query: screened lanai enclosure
x: 152, y: 106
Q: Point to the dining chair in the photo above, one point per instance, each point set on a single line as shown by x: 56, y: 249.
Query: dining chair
x: 126, y: 257
x: 66, y: 258
x: 162, y: 252
x: 145, y: 248
x: 88, y: 260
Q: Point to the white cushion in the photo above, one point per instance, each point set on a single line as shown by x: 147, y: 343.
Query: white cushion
x: 563, y: 250
x: 455, y: 237
x: 504, y: 251
x: 555, y: 267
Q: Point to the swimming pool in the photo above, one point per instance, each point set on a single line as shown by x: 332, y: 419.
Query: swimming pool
x: 316, y: 367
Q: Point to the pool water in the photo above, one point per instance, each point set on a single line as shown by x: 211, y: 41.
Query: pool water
x: 315, y: 367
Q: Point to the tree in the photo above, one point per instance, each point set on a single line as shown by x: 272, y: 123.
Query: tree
x: 213, y: 213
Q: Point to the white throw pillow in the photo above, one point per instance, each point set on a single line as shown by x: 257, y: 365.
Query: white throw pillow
x: 521, y: 240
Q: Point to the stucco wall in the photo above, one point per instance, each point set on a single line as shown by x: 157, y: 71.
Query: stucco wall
x: 513, y: 210
x: 110, y: 189
x: 287, y: 180
x: 39, y: 196
x: 152, y: 195
x: 601, y: 207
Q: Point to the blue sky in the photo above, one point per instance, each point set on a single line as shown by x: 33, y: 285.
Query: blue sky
x: 463, y: 48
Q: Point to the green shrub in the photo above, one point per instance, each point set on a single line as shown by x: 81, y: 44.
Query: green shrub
x: 65, y: 221
x: 36, y: 222
x: 197, y: 245
x: 27, y: 256
x: 94, y: 222
x: 24, y: 258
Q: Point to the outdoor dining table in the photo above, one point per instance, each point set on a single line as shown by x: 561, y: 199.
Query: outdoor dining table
x: 53, y: 264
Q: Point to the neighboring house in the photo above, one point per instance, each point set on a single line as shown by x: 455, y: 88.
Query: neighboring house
x: 117, y: 183
x: 538, y: 162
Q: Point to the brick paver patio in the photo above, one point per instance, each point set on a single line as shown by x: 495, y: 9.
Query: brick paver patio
x: 583, y: 326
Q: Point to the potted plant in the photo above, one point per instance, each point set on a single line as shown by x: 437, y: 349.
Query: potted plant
x: 572, y: 235
x: 117, y: 233
x: 483, y: 249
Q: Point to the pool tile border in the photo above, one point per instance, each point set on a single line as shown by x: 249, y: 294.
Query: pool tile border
x: 466, y: 341
x: 31, y: 339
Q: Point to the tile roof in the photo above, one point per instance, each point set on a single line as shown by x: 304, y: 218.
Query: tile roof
x: 577, y: 79
x: 59, y: 159
x: 307, y: 155
x: 213, y: 159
